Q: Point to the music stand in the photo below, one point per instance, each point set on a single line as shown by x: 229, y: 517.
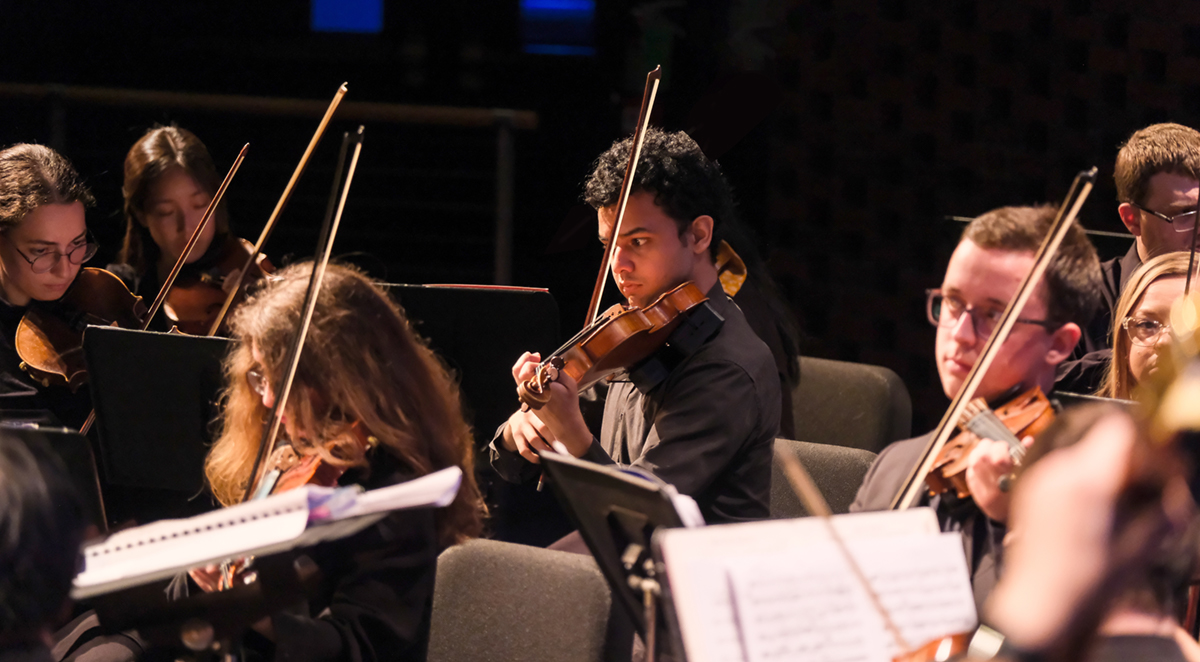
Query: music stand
x: 73, y: 452
x: 155, y: 396
x: 616, y: 513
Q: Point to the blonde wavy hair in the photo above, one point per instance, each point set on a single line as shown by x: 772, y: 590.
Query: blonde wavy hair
x: 362, y: 363
x: 1118, y: 381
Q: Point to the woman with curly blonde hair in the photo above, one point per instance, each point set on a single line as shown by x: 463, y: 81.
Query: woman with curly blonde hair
x: 362, y: 368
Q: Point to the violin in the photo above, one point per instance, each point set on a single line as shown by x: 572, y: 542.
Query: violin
x: 1026, y: 415
x: 49, y: 337
x: 196, y: 298
x: 622, y: 336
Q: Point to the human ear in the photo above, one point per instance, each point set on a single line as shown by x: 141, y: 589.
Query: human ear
x: 1131, y: 218
x: 701, y: 233
x: 1062, y: 343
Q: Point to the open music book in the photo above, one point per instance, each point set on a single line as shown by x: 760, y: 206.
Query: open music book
x: 162, y: 549
x: 783, y: 590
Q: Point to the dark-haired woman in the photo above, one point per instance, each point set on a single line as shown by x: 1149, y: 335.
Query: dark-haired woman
x: 43, y: 242
x: 170, y: 179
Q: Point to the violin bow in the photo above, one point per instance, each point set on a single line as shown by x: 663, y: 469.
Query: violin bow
x: 279, y: 206
x: 635, y: 154
x: 329, y: 228
x: 162, y: 292
x: 911, y: 489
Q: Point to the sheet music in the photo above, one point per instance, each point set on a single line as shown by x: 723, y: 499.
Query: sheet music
x: 782, y: 590
x: 240, y: 530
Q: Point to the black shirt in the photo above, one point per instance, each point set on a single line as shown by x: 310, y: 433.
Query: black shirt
x: 19, y: 391
x: 708, y: 428
x: 1084, y: 371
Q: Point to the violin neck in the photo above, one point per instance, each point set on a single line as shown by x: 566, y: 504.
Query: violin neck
x: 986, y: 425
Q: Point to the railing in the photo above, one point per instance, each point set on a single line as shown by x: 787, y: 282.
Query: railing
x: 505, y: 121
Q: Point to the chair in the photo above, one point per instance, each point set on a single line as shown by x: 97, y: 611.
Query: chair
x: 837, y: 471
x: 850, y: 404
x: 503, y: 601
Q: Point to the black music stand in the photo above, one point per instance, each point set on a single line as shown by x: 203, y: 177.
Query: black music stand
x: 73, y: 452
x: 616, y: 513
x: 155, y: 396
x: 480, y: 331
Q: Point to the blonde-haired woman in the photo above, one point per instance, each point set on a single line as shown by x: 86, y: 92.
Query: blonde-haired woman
x: 1141, y: 322
x: 363, y: 368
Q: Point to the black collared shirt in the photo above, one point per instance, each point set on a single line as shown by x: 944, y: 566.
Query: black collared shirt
x: 708, y: 428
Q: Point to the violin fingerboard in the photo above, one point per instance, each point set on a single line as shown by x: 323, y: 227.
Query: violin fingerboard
x: 986, y: 425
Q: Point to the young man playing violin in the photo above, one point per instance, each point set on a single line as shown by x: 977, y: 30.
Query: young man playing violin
x: 1155, y: 174
x: 993, y: 257
x: 705, y: 424
x: 43, y: 242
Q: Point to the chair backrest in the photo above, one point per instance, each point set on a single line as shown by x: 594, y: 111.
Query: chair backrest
x: 850, y: 404
x: 838, y: 471
x: 503, y: 601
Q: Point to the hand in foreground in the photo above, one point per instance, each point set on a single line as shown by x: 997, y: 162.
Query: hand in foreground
x: 988, y: 463
x: 1062, y: 518
x: 208, y: 578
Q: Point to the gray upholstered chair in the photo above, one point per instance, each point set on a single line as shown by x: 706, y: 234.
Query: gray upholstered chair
x: 502, y: 601
x: 850, y: 404
x: 837, y: 471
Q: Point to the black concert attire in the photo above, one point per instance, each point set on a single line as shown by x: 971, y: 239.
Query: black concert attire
x: 766, y: 325
x: 373, y: 604
x: 20, y: 392
x: 983, y: 538
x: 1084, y: 371
x: 1135, y: 648
x: 30, y: 653
x: 701, y: 414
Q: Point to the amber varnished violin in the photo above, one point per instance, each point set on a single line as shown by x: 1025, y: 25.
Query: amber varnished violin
x: 49, y: 337
x: 622, y: 336
x: 1026, y: 415
x: 194, y: 302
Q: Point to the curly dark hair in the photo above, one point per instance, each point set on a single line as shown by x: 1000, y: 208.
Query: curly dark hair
x: 685, y: 183
x: 41, y: 528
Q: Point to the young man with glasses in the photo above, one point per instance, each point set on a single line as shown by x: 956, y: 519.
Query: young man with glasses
x: 995, y: 254
x: 1156, y: 177
x: 43, y: 242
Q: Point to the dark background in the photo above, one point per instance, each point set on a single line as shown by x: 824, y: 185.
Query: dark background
x: 850, y: 129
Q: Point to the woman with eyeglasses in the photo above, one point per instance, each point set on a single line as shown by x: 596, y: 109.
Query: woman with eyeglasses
x: 170, y: 179
x: 1141, y: 322
x: 363, y: 375
x: 43, y: 241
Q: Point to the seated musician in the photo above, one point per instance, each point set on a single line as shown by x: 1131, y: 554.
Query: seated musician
x: 995, y: 254
x: 362, y: 366
x: 1141, y: 323
x: 43, y: 241
x: 170, y: 179
x: 43, y: 524
x: 708, y: 422
x: 1155, y: 174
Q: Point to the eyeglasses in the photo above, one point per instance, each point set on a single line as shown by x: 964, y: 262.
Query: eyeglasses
x: 44, y: 262
x: 1181, y: 222
x: 1144, y: 332
x: 943, y: 310
x: 257, y: 382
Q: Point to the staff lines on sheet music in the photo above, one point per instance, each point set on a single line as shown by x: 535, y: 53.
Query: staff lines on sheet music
x: 109, y: 549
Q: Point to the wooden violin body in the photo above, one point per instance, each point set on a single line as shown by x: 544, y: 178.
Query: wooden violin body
x: 1028, y: 414
x: 196, y: 298
x: 49, y: 338
x: 620, y: 337
x: 950, y: 647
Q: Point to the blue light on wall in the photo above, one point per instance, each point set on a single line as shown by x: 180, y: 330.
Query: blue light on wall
x: 364, y: 16
x: 557, y: 27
